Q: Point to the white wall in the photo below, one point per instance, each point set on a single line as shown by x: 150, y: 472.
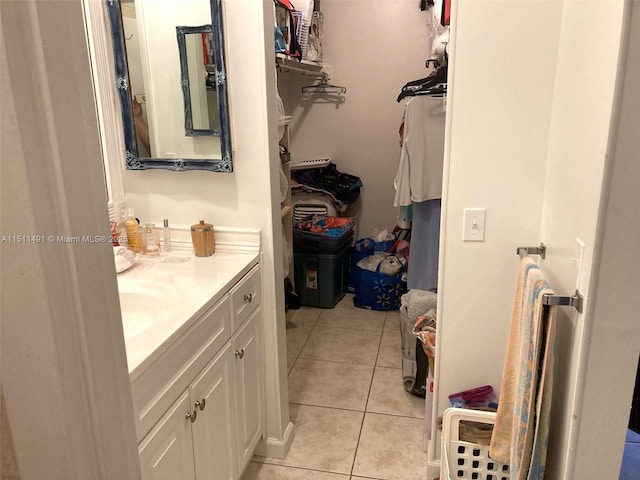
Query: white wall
x: 527, y: 135
x: 499, y: 113
x: 373, y: 48
x: 64, y: 370
x: 578, y: 141
x: 614, y: 342
x: 248, y: 197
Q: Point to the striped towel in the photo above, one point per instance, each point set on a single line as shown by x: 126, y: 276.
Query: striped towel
x: 513, y: 434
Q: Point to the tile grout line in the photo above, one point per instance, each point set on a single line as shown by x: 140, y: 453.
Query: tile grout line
x: 303, y: 468
x: 364, y: 414
x: 305, y: 342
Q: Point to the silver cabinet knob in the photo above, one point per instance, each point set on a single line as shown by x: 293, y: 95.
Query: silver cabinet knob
x: 192, y: 416
x: 201, y: 404
x: 248, y: 297
x: 240, y: 353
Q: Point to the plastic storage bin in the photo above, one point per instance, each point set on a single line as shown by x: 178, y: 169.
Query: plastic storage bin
x: 321, y: 277
x: 309, y: 242
x: 464, y: 460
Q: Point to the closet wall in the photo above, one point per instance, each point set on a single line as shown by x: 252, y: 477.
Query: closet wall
x: 373, y: 48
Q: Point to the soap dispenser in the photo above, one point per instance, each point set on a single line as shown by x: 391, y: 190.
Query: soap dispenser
x: 133, y: 232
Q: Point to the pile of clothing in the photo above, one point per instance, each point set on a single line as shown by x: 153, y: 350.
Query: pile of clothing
x: 334, y: 226
x: 342, y: 188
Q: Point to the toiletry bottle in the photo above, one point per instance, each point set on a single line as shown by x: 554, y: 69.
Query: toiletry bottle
x: 133, y: 232
x: 167, y: 235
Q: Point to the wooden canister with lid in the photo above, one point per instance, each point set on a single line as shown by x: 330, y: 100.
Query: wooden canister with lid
x: 202, y: 239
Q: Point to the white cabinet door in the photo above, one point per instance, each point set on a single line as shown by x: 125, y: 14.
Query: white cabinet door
x: 248, y: 379
x: 166, y: 453
x: 212, y: 396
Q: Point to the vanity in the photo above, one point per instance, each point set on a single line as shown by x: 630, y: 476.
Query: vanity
x: 193, y: 339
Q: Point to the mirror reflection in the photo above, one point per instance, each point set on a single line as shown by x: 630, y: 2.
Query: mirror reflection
x: 151, y: 84
x: 199, y: 80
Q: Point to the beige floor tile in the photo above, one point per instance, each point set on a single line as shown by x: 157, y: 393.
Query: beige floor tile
x: 388, y: 395
x: 345, y: 315
x: 296, y: 337
x: 392, y: 321
x: 306, y: 316
x: 325, y: 438
x: 390, y: 353
x: 262, y: 471
x: 342, y: 345
x: 330, y: 384
x: 390, y: 448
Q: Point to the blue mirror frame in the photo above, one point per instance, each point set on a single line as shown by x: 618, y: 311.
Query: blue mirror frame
x: 132, y: 161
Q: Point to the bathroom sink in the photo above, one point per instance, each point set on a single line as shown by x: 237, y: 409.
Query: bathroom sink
x: 143, y: 304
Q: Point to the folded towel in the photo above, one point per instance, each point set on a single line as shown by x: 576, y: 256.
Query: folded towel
x: 513, y: 434
x: 415, y: 303
x: 124, y: 258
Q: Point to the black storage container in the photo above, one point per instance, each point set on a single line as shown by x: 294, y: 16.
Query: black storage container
x: 309, y: 242
x: 321, y: 278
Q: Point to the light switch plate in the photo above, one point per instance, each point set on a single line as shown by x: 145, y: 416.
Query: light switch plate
x: 473, y: 227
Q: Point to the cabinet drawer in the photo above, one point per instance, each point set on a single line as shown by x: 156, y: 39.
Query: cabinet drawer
x: 245, y: 297
x: 159, y: 385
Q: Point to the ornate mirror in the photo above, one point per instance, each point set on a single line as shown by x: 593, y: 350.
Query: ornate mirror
x: 172, y: 89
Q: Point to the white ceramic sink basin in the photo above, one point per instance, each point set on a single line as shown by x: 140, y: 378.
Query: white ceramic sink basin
x: 143, y: 304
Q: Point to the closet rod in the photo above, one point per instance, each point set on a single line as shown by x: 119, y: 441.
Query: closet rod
x: 540, y: 250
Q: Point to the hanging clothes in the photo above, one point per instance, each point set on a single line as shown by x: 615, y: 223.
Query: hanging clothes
x: 422, y: 268
x: 419, y: 175
x: 418, y: 182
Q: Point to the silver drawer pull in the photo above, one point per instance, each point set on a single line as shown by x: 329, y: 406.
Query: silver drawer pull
x: 240, y: 353
x: 192, y: 416
x: 201, y: 404
x: 248, y: 297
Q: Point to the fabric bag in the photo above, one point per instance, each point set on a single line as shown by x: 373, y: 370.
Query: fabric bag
x: 376, y: 291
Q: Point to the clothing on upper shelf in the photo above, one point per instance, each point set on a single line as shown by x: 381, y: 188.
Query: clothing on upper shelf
x: 419, y: 175
x: 342, y: 188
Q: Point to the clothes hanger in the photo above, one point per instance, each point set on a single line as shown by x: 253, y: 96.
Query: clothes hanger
x: 423, y: 84
x: 324, y: 87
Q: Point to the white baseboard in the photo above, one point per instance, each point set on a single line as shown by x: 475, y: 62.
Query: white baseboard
x: 274, y: 448
x: 433, y: 470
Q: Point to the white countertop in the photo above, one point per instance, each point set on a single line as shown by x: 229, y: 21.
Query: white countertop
x: 198, y: 283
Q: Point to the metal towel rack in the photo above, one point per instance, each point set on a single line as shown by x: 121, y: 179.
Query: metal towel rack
x: 575, y: 300
x: 540, y: 250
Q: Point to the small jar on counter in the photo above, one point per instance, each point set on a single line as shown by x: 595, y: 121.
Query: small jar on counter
x: 148, y: 231
x: 202, y: 239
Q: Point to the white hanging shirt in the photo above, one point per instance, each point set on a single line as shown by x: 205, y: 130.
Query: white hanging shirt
x: 419, y: 176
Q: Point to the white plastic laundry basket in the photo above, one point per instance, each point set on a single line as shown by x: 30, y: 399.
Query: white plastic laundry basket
x: 464, y: 460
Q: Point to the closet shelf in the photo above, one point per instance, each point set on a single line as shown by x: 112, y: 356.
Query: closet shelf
x: 303, y: 67
x: 285, y: 210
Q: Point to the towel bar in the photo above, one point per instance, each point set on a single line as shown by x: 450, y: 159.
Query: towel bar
x: 574, y: 300
x: 540, y: 250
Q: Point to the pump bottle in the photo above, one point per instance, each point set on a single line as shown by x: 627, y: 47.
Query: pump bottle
x: 133, y: 232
